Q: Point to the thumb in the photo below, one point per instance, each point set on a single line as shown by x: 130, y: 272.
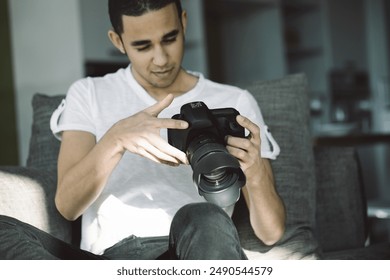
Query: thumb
x: 159, y: 106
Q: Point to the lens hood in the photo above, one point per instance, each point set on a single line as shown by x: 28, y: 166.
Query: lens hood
x: 228, y: 191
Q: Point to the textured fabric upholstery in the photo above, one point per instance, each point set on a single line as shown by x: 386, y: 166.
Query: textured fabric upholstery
x: 341, y: 209
x: 285, y: 107
x: 43, y: 152
x: 380, y: 251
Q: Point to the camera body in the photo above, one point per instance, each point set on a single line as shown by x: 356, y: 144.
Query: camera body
x: 216, y: 173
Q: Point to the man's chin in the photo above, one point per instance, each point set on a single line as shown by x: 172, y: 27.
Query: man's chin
x: 161, y: 83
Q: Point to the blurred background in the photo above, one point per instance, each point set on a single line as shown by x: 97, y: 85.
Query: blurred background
x: 342, y: 45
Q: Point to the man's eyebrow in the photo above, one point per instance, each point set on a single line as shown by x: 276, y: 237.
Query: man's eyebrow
x: 140, y: 43
x: 173, y: 33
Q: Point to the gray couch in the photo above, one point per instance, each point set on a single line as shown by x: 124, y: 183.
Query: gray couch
x: 321, y: 186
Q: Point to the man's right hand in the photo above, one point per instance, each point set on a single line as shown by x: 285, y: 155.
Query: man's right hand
x: 84, y: 165
x: 140, y: 134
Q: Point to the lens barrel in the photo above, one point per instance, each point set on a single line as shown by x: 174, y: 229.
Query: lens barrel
x: 216, y: 173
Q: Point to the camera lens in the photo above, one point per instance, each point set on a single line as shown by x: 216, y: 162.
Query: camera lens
x: 216, y: 177
x: 217, y: 173
x: 219, y: 180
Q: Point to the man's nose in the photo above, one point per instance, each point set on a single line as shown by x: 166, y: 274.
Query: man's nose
x: 160, y: 56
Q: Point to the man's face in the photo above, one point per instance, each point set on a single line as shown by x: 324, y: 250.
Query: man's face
x: 154, y: 43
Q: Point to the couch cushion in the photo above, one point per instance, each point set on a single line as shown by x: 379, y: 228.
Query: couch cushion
x: 44, y: 147
x: 285, y: 107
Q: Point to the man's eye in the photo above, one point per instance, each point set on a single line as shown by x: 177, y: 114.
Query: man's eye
x: 143, y: 48
x: 170, y: 40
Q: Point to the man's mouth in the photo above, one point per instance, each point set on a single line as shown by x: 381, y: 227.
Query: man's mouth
x: 162, y: 73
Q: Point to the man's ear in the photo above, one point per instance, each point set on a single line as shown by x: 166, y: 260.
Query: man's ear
x: 116, y: 41
x: 184, y: 21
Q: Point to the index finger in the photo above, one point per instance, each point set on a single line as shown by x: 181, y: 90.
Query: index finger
x: 250, y: 126
x: 159, y: 106
x: 171, y: 123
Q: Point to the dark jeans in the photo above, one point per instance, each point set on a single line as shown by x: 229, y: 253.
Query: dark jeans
x: 198, y: 231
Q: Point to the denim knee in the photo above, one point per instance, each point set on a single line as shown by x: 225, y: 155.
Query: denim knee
x: 9, y: 237
x: 204, y: 231
x: 7, y: 221
x: 203, y: 214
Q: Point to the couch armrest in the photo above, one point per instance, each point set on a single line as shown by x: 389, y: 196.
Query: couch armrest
x: 341, y: 215
x: 28, y: 195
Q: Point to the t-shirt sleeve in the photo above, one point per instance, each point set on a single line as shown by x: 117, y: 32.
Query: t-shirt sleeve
x: 248, y: 107
x: 74, y: 112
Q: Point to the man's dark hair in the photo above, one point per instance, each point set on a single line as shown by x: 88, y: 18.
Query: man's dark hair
x: 119, y: 8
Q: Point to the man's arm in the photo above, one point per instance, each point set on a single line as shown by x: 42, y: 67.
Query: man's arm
x: 83, y: 169
x: 267, y: 212
x: 84, y: 165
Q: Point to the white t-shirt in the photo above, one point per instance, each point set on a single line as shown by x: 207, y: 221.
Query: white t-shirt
x: 141, y: 197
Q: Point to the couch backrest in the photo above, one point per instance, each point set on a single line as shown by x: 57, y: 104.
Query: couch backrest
x: 44, y: 147
x: 285, y: 107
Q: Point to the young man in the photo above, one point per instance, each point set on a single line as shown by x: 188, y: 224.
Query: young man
x: 116, y: 169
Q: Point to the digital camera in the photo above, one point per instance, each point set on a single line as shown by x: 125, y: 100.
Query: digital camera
x: 216, y: 173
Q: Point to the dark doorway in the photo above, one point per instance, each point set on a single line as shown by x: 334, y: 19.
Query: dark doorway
x: 8, y: 136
